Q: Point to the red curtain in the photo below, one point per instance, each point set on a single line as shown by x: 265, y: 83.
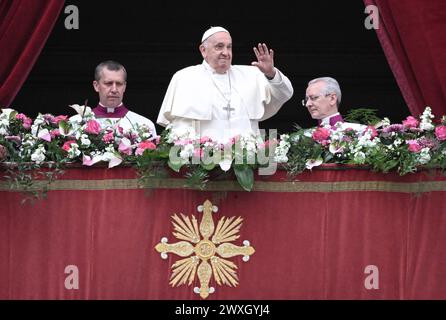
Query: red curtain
x: 24, y: 28
x: 314, y: 238
x: 413, y: 36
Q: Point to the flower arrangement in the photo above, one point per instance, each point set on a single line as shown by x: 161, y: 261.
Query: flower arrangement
x: 382, y: 147
x: 200, y: 156
x: 37, y: 150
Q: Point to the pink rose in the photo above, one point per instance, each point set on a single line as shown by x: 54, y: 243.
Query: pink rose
x: 27, y: 122
x: 414, y: 146
x: 108, y: 137
x: 440, y: 132
x: 321, y: 135
x: 93, y: 127
x: 143, y: 146
x: 410, y: 122
x: 67, y: 145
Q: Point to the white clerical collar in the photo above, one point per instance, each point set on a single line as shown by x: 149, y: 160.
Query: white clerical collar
x: 209, y: 68
x: 110, y: 110
x: 326, y: 120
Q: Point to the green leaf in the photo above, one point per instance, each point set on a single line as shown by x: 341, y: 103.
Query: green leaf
x: 245, y: 176
x: 64, y: 127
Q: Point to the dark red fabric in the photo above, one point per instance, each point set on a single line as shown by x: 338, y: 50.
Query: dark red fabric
x: 309, y: 245
x: 413, y: 36
x: 24, y: 28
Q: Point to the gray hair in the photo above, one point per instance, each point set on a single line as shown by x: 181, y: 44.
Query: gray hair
x: 110, y: 65
x: 331, y: 86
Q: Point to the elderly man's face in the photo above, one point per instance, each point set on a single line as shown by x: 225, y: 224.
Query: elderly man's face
x: 319, y: 104
x: 111, y: 87
x: 218, y: 52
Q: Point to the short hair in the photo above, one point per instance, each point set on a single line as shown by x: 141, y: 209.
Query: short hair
x: 331, y: 86
x: 110, y: 65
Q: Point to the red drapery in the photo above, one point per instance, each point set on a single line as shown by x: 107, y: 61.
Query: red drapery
x: 313, y: 238
x: 413, y: 37
x: 24, y: 28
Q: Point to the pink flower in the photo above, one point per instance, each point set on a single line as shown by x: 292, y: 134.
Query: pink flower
x: 54, y: 133
x: 27, y: 122
x: 49, y: 118
x: 183, y: 142
x: 108, y: 137
x: 321, y: 135
x: 67, y: 145
x: 414, y: 146
x: 410, y: 122
x: 373, y: 132
x: 205, y: 139
x: 93, y: 127
x: 440, y: 132
x: 60, y: 118
x: 143, y: 146
x: 125, y: 146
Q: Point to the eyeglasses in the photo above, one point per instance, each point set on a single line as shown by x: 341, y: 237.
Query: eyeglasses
x: 313, y: 98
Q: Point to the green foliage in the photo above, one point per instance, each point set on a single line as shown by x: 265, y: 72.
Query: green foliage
x: 363, y: 115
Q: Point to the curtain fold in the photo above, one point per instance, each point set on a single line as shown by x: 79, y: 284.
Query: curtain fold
x: 413, y: 37
x: 24, y: 28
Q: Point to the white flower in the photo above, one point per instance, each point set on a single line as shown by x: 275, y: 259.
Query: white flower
x: 424, y: 156
x: 6, y: 112
x: 426, y: 120
x: 74, y: 151
x: 313, y: 163
x: 385, y: 122
x: 397, y: 142
x: 181, y: 133
x: 359, y: 157
x: 83, y: 111
x: 38, y: 155
x: 280, y: 154
x: 84, y: 140
x: 335, y: 147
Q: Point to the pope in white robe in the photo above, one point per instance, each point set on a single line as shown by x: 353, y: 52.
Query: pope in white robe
x: 220, y: 100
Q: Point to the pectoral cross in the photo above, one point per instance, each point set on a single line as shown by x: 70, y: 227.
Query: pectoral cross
x: 229, y: 109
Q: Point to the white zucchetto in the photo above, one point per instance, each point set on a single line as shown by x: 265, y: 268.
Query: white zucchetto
x: 212, y: 31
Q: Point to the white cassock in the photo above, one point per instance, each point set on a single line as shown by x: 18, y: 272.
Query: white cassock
x: 221, y: 106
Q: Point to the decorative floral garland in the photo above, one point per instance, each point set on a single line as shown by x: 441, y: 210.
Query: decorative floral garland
x: 49, y: 142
